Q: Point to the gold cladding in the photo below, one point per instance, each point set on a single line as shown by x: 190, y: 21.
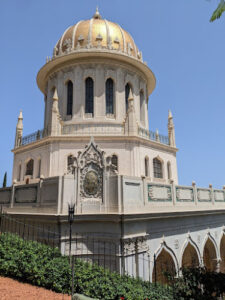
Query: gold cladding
x: 99, y: 27
x: 83, y: 29
x: 115, y: 32
x: 67, y: 36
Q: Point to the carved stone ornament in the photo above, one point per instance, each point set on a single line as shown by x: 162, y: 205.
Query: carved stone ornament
x: 91, y: 163
x: 67, y: 44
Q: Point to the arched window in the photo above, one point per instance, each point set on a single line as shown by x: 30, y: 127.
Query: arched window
x: 70, y: 163
x: 190, y: 257
x: 127, y: 92
x: 169, y: 170
x: 146, y: 167
x: 142, y: 108
x: 163, y: 264
x: 69, y: 98
x: 157, y: 167
x: 109, y: 95
x: 115, y: 161
x: 89, y: 96
x: 30, y: 167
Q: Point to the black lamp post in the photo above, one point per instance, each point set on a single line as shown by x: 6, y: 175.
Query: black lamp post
x: 70, y: 220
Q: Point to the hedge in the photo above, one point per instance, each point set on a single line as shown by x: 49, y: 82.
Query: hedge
x: 41, y: 265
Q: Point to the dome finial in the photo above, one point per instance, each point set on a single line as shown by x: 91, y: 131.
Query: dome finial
x: 97, y: 14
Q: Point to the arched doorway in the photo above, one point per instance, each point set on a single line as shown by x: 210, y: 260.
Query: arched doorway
x: 190, y: 257
x: 222, y: 254
x: 163, y: 264
x: 209, y: 256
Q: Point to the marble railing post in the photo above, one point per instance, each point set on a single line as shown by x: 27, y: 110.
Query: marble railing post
x: 195, y: 192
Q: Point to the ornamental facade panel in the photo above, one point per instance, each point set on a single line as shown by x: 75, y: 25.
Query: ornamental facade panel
x: 184, y: 194
x: 219, y: 195
x: 204, y: 195
x: 159, y: 193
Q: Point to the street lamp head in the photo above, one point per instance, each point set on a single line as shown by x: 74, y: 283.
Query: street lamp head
x: 71, y: 212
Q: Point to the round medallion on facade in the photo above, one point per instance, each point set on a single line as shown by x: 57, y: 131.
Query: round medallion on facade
x: 91, y: 183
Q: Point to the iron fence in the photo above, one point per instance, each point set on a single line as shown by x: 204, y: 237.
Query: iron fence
x: 153, y: 136
x: 33, y: 137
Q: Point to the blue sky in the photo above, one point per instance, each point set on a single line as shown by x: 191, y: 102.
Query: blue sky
x: 184, y: 50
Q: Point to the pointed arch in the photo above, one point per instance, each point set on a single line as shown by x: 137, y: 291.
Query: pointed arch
x: 158, y: 167
x: 165, y: 262
x: 190, y: 254
x: 89, y: 96
x: 210, y: 253
x: 109, y: 96
x: 127, y: 92
x: 114, y: 160
x: 30, y: 167
x: 222, y: 253
x: 142, y: 108
x: 69, y: 85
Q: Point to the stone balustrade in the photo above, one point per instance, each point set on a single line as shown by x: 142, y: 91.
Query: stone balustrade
x: 123, y: 194
x: 95, y: 129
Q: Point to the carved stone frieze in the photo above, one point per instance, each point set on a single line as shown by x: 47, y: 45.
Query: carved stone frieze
x: 136, y: 245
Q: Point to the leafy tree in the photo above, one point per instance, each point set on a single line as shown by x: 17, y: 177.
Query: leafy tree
x: 5, y: 180
x: 219, y: 10
x: 198, y: 284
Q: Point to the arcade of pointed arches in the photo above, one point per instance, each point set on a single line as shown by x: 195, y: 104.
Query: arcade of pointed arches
x: 109, y: 97
x: 211, y: 256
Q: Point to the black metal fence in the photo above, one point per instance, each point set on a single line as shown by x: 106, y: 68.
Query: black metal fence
x: 88, y: 248
x: 29, y: 230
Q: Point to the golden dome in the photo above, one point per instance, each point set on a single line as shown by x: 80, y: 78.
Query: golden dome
x: 96, y: 33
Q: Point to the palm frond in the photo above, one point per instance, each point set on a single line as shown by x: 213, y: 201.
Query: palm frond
x: 218, y: 12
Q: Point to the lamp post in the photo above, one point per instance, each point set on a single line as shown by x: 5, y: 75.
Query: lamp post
x: 70, y: 220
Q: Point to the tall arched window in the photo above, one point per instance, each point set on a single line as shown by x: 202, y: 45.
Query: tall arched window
x: 146, y: 167
x: 127, y: 92
x: 109, y: 95
x: 169, y: 170
x: 157, y: 167
x: 142, y: 108
x: 69, y: 98
x: 89, y: 96
x: 70, y: 163
x: 115, y: 161
x: 30, y: 167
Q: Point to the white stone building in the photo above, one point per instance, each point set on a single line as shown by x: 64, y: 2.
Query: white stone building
x: 124, y: 183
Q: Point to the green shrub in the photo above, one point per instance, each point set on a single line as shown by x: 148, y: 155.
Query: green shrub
x: 44, y: 266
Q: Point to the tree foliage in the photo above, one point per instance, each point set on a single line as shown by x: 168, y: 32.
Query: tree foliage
x: 219, y: 11
x: 198, y: 284
x: 44, y: 266
x: 5, y: 180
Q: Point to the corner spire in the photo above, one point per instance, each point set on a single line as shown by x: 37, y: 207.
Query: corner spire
x: 55, y: 96
x: 19, y: 130
x: 171, y: 131
x: 97, y: 14
x: 20, y: 116
x: 130, y: 97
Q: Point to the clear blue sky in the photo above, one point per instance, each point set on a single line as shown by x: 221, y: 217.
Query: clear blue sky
x: 184, y: 50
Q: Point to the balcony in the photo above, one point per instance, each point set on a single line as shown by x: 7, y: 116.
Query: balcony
x: 33, y: 137
x: 153, y: 136
x: 96, y: 129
